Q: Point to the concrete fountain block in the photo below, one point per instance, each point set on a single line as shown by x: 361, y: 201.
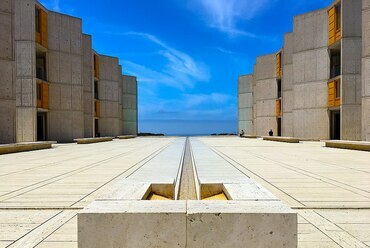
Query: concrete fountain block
x: 240, y: 224
x: 133, y: 224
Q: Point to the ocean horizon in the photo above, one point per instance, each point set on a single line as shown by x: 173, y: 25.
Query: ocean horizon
x: 188, y: 127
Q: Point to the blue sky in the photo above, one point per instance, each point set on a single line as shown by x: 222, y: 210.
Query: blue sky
x: 187, y: 54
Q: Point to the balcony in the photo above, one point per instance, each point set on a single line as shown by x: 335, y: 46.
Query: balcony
x: 97, y: 109
x: 278, y: 108
x: 42, y: 94
x: 334, y: 95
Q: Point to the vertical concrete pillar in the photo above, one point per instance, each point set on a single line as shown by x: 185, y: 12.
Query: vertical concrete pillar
x: 366, y: 70
x: 310, y: 75
x: 110, y: 77
x: 7, y: 86
x: 245, y: 104
x: 265, y: 94
x: 287, y: 86
x: 351, y: 70
x: 130, y: 105
x: 25, y: 71
x: 88, y: 82
x: 65, y: 66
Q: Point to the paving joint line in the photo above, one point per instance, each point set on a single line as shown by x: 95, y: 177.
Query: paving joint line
x: 62, y: 176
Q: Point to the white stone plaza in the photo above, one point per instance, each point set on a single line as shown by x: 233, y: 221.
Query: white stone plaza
x: 248, y: 193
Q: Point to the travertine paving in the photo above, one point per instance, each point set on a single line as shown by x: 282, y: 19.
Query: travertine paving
x: 41, y: 192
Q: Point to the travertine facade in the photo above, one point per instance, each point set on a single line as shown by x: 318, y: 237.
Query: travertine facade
x: 47, y: 81
x: 321, y: 94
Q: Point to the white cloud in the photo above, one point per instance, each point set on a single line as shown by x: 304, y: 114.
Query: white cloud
x: 56, y: 5
x: 225, y: 14
x: 193, y: 100
x: 181, y: 70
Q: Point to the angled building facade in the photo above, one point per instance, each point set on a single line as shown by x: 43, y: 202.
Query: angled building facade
x: 51, y: 87
x: 321, y: 90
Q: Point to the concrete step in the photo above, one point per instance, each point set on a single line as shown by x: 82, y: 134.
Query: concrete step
x: 350, y: 145
x: 281, y: 139
x: 93, y: 140
x: 126, y: 137
x: 24, y: 147
x: 250, y: 136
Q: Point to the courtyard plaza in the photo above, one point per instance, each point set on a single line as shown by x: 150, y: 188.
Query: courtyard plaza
x: 41, y: 192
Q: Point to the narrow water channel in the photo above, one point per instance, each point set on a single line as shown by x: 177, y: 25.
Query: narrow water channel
x: 187, y: 189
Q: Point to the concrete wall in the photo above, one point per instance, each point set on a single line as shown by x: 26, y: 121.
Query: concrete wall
x: 129, y: 105
x: 265, y: 94
x: 88, y: 83
x: 366, y: 70
x: 7, y: 87
x: 109, y: 81
x: 25, y: 70
x: 287, y: 86
x: 351, y: 70
x: 310, y: 75
x: 245, y: 104
x: 65, y: 63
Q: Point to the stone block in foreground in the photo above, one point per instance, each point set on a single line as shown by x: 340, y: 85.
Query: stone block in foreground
x: 192, y: 224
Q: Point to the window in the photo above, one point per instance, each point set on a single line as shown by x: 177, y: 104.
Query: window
x: 37, y: 20
x: 96, y: 92
x: 41, y: 67
x: 279, y: 88
x: 338, y: 18
x: 335, y: 63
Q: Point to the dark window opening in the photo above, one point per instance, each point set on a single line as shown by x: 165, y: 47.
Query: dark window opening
x: 335, y: 125
x: 279, y: 126
x: 279, y: 88
x: 41, y: 127
x: 41, y: 67
x: 338, y: 23
x: 97, y: 134
x: 335, y: 63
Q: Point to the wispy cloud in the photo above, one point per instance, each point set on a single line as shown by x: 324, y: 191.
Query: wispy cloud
x: 224, y: 15
x: 181, y: 71
x: 56, y: 5
x: 189, y: 106
x: 193, y: 100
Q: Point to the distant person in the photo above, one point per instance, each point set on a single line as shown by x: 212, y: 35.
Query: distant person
x: 271, y: 133
x: 242, y: 133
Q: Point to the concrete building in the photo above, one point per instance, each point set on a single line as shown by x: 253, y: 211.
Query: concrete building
x: 318, y: 77
x: 265, y: 94
x: 245, y: 103
x: 129, y: 105
x: 366, y: 70
x: 50, y: 83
